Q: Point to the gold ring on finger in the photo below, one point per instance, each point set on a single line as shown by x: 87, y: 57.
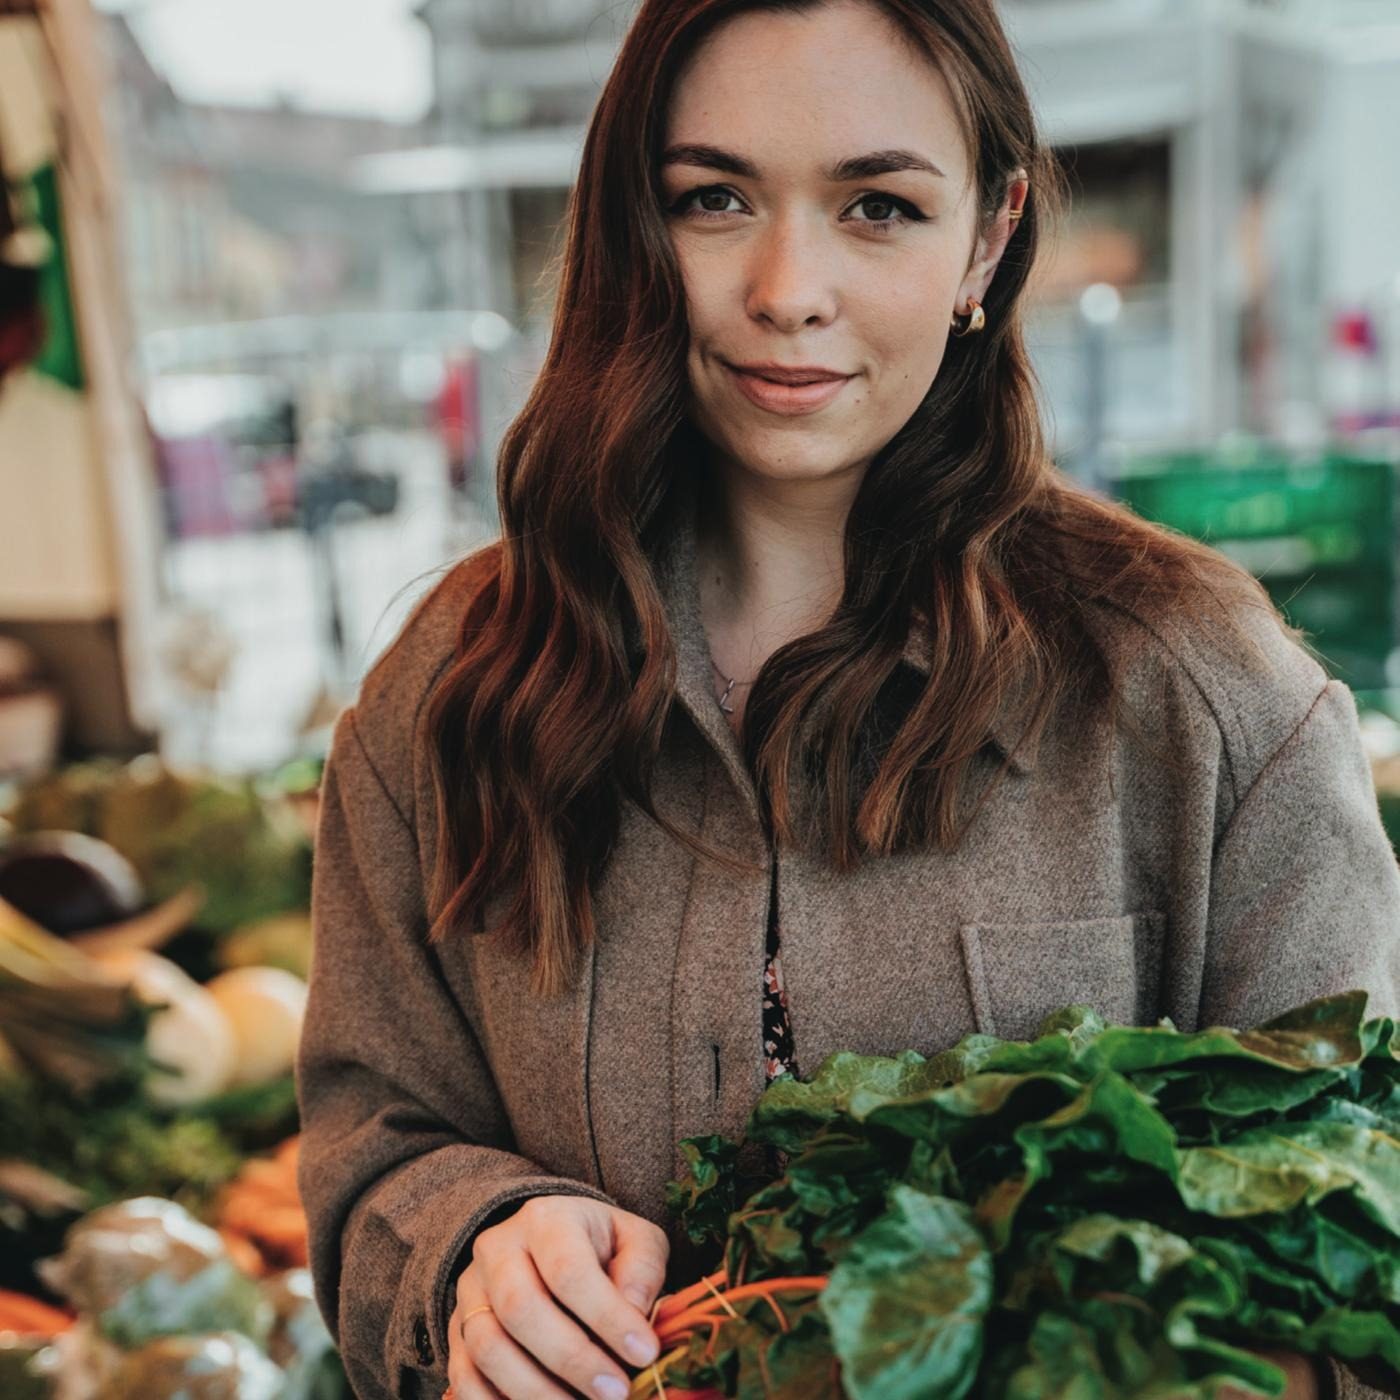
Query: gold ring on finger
x: 462, y: 1325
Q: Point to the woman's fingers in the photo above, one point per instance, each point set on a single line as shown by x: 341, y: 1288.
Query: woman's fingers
x: 571, y: 1266
x: 469, y: 1384
x: 464, y: 1381
x: 527, y: 1312
x: 501, y: 1362
x: 539, y: 1310
x: 638, y: 1264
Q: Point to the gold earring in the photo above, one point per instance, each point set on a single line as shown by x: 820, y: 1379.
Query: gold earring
x: 976, y: 319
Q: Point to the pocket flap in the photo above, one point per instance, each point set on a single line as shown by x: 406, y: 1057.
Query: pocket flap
x: 1018, y: 973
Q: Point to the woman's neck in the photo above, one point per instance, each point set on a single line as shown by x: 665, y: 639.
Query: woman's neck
x: 769, y: 562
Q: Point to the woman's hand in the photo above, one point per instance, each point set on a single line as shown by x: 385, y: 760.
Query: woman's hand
x: 556, y: 1270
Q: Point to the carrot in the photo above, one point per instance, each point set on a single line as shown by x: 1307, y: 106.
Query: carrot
x: 244, y: 1252
x: 275, y: 1178
x: 258, y: 1218
x: 21, y: 1313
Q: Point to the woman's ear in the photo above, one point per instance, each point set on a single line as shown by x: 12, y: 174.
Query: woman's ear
x: 992, y: 244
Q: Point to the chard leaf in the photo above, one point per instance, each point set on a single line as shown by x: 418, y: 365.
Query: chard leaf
x: 769, y: 1233
x: 1101, y: 1238
x: 905, y: 1304
x: 790, y: 1110
x: 1276, y: 1169
x: 932, y: 1170
x: 1102, y: 1211
x: 793, y: 1365
x: 1126, y: 1301
x: 1284, y: 1282
x: 710, y: 1190
x: 1107, y: 1350
x: 1058, y: 1046
x: 1109, y: 1120
x: 1235, y: 1090
x: 965, y: 1058
x: 1381, y: 1038
x: 1333, y: 1020
x: 983, y: 1106
x: 1062, y: 1363
x: 1351, y: 1334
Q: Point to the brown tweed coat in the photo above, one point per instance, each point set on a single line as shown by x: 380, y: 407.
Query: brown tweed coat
x: 434, y: 1090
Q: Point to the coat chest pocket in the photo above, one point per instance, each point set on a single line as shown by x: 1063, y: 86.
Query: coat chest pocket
x: 1018, y: 973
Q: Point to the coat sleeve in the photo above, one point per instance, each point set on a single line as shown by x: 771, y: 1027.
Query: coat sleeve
x: 1305, y: 894
x: 406, y: 1149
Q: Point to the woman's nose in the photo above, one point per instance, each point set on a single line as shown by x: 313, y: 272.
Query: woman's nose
x: 791, y: 276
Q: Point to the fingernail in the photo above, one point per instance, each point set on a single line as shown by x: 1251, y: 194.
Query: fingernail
x: 640, y: 1351
x: 609, y: 1388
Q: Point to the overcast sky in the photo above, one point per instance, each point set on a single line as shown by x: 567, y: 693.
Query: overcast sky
x: 249, y: 51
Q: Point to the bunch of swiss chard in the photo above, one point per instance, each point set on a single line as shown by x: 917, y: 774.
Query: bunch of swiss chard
x: 1101, y: 1211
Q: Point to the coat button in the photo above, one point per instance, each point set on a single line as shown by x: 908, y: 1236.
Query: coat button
x: 422, y: 1342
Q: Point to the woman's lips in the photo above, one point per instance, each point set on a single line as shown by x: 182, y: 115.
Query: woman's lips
x: 787, y: 398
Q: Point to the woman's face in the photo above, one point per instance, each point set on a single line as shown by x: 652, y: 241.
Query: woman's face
x: 788, y: 260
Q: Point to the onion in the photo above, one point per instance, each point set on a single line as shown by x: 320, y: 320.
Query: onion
x: 265, y: 1007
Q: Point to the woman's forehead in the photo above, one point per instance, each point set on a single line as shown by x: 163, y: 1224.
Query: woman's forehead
x: 801, y: 94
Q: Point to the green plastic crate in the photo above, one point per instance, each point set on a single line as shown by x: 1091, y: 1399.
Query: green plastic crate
x: 1320, y: 536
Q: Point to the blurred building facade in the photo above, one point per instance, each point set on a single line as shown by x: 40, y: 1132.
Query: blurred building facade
x: 234, y: 213
x: 1224, y: 155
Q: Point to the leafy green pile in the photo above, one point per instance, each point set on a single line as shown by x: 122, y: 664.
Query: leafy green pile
x: 1101, y: 1211
x: 237, y: 837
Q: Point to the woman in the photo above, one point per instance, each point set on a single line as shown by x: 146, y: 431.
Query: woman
x: 831, y: 695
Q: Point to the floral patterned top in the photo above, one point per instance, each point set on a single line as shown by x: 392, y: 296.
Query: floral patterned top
x: 777, y: 1032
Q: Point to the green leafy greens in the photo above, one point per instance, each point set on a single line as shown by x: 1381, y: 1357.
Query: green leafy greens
x: 1101, y: 1211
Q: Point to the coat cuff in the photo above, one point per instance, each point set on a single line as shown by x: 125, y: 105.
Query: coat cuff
x: 1347, y: 1385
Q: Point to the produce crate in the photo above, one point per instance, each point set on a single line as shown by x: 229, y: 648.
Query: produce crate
x: 1320, y: 536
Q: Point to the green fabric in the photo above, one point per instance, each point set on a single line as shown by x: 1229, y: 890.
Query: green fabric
x: 59, y: 357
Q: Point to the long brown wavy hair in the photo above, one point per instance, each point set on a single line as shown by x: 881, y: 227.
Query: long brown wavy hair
x: 544, y: 722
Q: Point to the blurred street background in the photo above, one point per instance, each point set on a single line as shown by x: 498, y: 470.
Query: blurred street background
x: 296, y: 271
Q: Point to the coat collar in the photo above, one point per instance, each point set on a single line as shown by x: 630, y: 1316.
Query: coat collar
x: 677, y: 578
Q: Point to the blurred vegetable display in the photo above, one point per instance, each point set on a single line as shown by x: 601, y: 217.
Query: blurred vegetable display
x: 1102, y: 1210
x: 164, y: 1312
x: 125, y: 1076
x: 68, y: 882
x: 238, y: 838
x: 68, y: 1017
x: 154, y: 940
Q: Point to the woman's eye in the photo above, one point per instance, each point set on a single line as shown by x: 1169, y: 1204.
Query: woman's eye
x: 903, y: 211
x: 890, y: 212
x: 711, y: 192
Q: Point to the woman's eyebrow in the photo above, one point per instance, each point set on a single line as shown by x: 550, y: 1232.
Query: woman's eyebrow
x: 852, y: 168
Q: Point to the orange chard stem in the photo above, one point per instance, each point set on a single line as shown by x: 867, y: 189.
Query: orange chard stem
x: 678, y: 1301
x: 765, y: 1288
